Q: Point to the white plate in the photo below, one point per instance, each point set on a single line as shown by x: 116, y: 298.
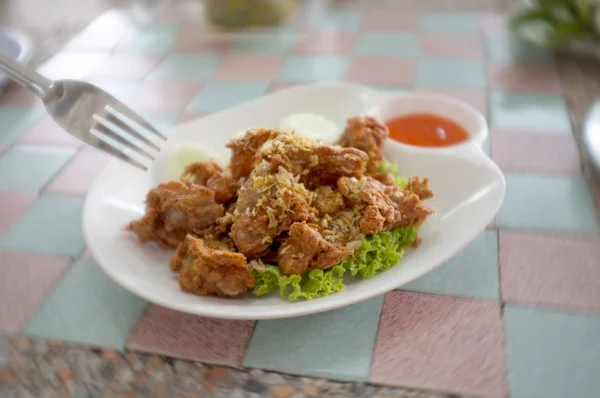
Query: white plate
x: 469, y: 189
x: 15, y: 45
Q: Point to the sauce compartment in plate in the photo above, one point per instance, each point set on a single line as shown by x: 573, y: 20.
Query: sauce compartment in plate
x: 431, y: 121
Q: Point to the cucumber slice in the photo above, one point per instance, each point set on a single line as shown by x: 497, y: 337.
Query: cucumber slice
x: 177, y: 160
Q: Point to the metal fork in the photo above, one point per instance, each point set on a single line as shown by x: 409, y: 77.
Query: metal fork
x: 89, y: 113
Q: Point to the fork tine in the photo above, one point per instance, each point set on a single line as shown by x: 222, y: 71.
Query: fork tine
x: 101, y: 128
x: 127, y: 113
x: 114, y: 119
x: 109, y: 148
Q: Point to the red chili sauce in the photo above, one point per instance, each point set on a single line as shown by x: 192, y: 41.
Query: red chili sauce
x: 424, y: 129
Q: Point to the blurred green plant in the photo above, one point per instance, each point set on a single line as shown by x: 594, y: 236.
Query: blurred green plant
x: 246, y: 13
x: 561, y: 21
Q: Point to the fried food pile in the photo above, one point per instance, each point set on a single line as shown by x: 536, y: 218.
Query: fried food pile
x: 284, y: 200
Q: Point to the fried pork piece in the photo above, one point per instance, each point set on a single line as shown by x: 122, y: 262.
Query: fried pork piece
x: 385, y: 178
x: 173, y: 210
x: 268, y: 203
x: 380, y: 209
x: 420, y: 188
x: 317, y: 164
x: 210, y: 272
x: 383, y: 207
x: 244, y: 150
x: 211, y: 175
x: 306, y: 249
x: 368, y: 135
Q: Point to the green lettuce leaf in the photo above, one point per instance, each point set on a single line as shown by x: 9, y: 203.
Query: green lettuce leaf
x: 380, y: 252
x: 377, y: 254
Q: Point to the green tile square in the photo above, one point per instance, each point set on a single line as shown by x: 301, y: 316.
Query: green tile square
x: 16, y: 121
x: 551, y: 354
x: 395, y: 45
x: 532, y: 112
x: 186, y: 67
x: 216, y: 96
x: 341, y: 20
x: 161, y: 122
x: 336, y: 344
x: 450, y: 23
x: 28, y: 169
x: 472, y: 273
x: 313, y: 68
x: 262, y: 44
x: 510, y: 48
x: 548, y: 203
x: 150, y: 39
x: 88, y: 307
x: 52, y: 225
x: 450, y: 73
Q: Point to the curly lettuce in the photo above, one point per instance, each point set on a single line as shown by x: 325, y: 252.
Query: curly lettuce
x: 377, y: 254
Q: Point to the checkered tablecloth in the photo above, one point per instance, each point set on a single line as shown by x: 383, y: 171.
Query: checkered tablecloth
x: 517, y: 312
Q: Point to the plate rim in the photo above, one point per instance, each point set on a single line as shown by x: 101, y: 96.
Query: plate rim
x: 310, y: 307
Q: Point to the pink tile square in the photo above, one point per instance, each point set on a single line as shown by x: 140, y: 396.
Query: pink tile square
x: 26, y: 280
x: 278, y: 86
x: 494, y: 24
x: 330, y: 42
x: 249, y: 67
x: 48, y: 133
x: 17, y: 96
x: 77, y: 176
x: 391, y: 21
x: 519, y: 151
x: 475, y: 98
x: 440, y: 343
x: 103, y: 33
x: 13, y: 205
x: 167, y: 97
x: 537, y: 77
x: 172, y: 333
x: 550, y: 270
x: 436, y: 45
x: 372, y: 70
x: 128, y: 66
x: 199, y: 40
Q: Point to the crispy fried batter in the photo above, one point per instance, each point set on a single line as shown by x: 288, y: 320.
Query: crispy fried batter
x: 420, y: 188
x: 173, y: 210
x: 385, y: 178
x: 306, y: 249
x: 211, y: 175
x: 328, y: 201
x: 316, y: 164
x: 210, y: 272
x: 267, y: 205
x: 368, y: 135
x: 244, y: 150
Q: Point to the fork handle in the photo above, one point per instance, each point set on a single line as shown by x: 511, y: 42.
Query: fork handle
x: 25, y: 76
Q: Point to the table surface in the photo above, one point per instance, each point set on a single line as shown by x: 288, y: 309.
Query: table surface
x: 516, y: 313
